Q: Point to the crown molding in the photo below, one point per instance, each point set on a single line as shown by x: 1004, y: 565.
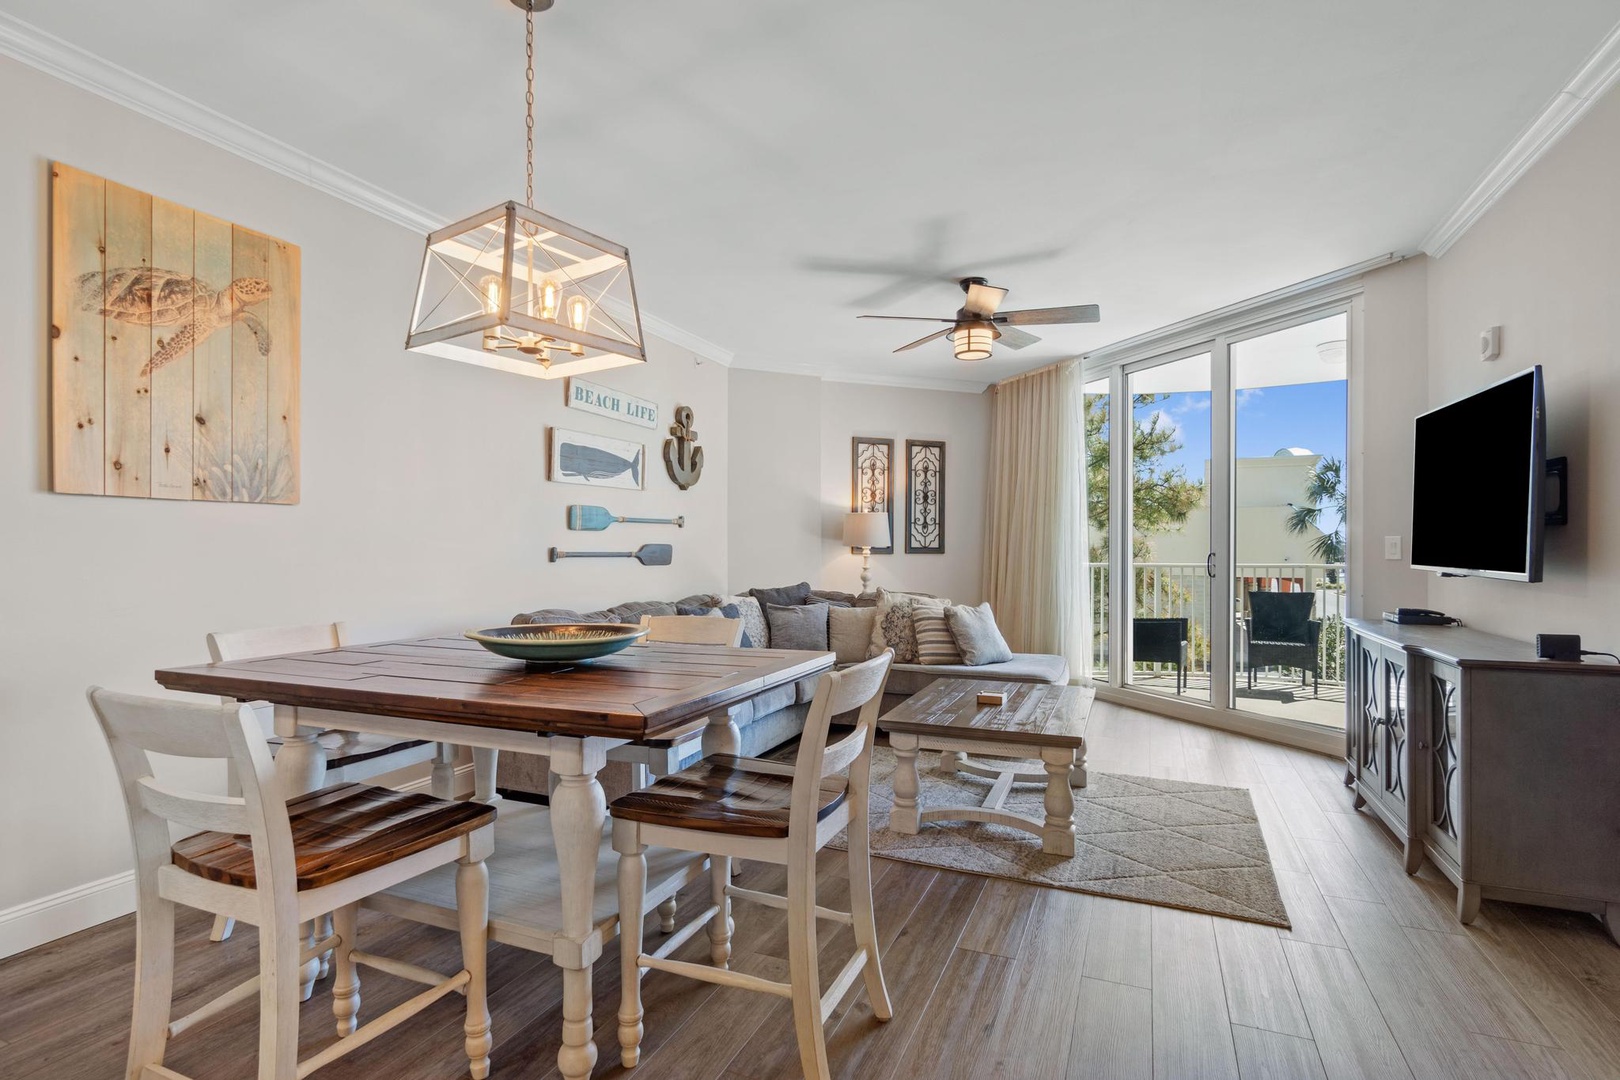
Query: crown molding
x: 1589, y: 83
x: 63, y: 60
x: 909, y: 382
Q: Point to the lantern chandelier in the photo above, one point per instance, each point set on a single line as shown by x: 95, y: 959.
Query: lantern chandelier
x: 514, y: 289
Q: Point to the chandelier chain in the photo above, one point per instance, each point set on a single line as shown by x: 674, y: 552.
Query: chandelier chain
x: 528, y: 120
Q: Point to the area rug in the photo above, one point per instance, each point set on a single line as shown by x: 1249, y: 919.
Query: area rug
x: 1167, y: 842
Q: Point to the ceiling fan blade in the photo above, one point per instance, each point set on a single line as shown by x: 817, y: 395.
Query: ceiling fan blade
x: 906, y: 318
x: 925, y: 340
x: 1048, y: 316
x: 1014, y: 338
x: 984, y: 299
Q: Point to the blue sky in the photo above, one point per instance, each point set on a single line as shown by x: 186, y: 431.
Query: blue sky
x: 1309, y: 415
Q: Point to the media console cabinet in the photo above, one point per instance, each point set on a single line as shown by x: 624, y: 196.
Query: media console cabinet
x: 1503, y: 769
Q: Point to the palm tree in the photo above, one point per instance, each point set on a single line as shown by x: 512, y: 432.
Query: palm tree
x: 1323, y: 488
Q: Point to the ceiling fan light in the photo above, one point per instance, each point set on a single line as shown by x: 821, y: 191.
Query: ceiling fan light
x: 973, y: 341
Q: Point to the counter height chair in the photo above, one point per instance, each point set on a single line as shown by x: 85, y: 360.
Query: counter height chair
x: 730, y: 807
x: 693, y: 629
x: 349, y: 756
x: 281, y: 865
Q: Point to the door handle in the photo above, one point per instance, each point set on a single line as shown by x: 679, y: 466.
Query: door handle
x: 1209, y: 564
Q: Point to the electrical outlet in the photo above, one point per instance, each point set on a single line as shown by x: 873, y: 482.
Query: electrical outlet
x: 1392, y: 547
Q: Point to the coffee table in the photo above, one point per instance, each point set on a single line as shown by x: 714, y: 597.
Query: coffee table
x: 1038, y: 720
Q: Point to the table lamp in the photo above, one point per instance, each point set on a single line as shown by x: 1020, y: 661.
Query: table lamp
x: 866, y: 530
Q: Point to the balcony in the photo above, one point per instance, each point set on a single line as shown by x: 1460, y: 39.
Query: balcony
x: 1181, y: 590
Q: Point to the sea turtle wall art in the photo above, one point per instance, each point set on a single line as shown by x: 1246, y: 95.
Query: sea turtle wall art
x: 174, y: 349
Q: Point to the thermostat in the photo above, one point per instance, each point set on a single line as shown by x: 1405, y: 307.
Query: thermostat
x: 1490, y: 343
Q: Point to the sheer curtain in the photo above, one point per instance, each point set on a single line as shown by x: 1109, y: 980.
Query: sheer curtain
x: 1035, y: 551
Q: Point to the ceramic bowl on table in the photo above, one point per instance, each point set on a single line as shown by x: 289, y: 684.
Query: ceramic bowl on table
x: 559, y: 643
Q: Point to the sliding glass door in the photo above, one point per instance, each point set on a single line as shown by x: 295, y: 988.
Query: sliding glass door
x: 1219, y: 567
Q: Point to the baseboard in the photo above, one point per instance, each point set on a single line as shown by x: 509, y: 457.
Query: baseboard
x: 36, y: 922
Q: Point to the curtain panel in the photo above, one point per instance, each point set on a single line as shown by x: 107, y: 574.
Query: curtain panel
x: 1036, y: 543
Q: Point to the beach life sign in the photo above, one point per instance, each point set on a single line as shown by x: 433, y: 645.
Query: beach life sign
x: 606, y: 401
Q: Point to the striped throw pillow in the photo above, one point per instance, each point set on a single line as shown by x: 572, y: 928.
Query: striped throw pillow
x: 935, y: 645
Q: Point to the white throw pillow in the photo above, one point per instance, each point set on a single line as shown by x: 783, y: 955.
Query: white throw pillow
x: 849, y: 632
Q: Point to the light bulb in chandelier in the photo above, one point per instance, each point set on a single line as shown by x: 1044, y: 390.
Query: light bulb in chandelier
x: 579, y: 317
x: 550, y: 300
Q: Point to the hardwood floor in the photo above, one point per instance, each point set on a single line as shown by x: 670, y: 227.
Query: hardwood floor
x: 989, y: 978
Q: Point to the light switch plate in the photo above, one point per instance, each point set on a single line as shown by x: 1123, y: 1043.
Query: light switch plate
x: 1392, y: 547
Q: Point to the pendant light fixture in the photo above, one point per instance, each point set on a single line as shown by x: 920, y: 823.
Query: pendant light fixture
x: 514, y: 289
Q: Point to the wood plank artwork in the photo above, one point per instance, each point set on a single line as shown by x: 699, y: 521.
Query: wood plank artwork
x: 872, y: 481
x: 174, y: 349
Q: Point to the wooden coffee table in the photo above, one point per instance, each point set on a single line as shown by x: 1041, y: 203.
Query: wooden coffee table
x: 1038, y: 720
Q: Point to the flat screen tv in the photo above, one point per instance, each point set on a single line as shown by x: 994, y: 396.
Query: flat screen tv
x: 1479, y: 467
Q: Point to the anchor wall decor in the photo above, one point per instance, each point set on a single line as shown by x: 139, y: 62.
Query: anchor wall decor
x: 683, y: 457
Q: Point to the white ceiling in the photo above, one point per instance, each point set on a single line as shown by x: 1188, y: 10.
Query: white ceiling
x: 1158, y: 157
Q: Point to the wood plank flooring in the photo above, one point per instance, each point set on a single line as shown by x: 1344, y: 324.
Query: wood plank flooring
x: 989, y: 978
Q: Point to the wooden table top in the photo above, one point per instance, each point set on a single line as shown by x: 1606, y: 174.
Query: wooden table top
x: 641, y: 692
x: 1039, y: 714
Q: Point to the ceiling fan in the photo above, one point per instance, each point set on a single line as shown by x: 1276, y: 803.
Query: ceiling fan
x: 977, y: 324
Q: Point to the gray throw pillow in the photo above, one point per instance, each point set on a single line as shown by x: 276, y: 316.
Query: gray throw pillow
x: 786, y: 596
x: 802, y: 626
x: 977, y: 636
x: 849, y: 632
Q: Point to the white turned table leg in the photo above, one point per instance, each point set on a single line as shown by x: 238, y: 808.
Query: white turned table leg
x: 1057, y: 837
x: 578, y: 812
x: 950, y: 761
x: 442, y: 780
x: 484, y: 761
x: 903, y: 816
x: 721, y: 735
x: 300, y: 769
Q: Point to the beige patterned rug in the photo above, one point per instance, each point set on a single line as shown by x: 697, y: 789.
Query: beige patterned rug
x: 1167, y: 842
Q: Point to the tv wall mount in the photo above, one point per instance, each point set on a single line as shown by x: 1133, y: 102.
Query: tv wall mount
x: 1558, y: 469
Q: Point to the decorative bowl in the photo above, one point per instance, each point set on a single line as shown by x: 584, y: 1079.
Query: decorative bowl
x: 557, y: 643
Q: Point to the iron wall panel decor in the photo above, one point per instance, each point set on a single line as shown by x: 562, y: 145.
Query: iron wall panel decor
x: 925, y: 497
x: 871, y: 481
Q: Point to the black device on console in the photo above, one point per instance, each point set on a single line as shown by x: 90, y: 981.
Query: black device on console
x: 1416, y: 616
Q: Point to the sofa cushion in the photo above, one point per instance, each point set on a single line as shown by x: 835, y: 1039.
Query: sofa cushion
x: 755, y: 629
x: 1023, y: 667
x: 756, y: 708
x: 893, y: 628
x: 849, y: 632
x: 621, y: 613
x: 786, y: 596
x: 803, y: 626
x: 804, y: 691
x: 935, y: 645
x: 977, y: 635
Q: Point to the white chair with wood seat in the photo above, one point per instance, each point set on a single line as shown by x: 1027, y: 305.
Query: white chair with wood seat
x: 693, y: 630
x: 282, y: 865
x: 731, y: 807
x: 350, y: 757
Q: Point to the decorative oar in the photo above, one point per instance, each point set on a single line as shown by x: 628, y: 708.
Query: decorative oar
x: 646, y: 554
x: 597, y: 518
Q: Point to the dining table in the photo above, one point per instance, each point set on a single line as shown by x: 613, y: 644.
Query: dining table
x: 639, y: 705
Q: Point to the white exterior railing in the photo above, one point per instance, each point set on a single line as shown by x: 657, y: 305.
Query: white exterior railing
x: 1181, y: 591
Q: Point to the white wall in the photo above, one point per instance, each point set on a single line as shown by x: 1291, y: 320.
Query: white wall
x: 425, y: 504
x: 780, y: 421
x: 1387, y: 391
x: 1544, y: 264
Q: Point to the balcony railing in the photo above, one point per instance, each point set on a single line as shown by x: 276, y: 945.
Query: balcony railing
x: 1182, y: 590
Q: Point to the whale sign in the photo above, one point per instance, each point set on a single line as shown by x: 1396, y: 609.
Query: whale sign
x: 597, y: 461
x: 606, y: 401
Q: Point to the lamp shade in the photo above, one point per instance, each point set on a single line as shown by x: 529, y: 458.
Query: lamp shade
x: 866, y: 529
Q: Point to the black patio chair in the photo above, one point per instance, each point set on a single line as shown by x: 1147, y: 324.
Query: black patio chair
x: 1162, y: 641
x: 1283, y: 634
